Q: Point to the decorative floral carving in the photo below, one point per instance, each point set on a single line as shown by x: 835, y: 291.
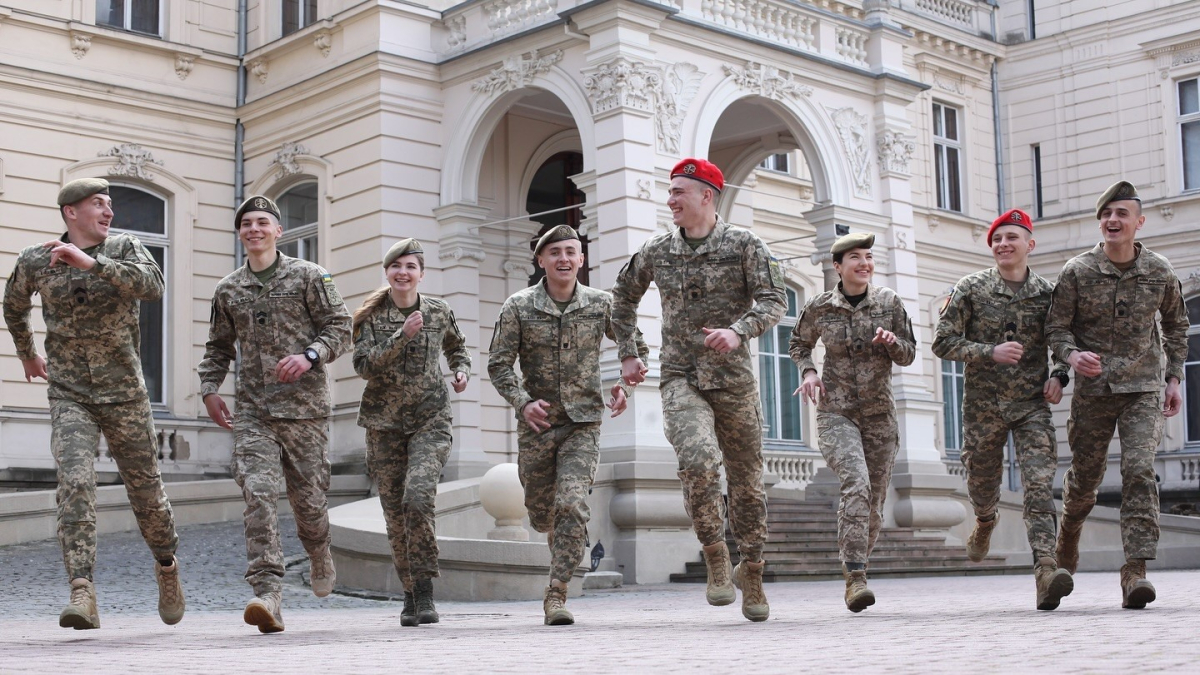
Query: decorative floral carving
x: 895, y: 152
x: 132, y: 160
x: 258, y: 68
x: 458, y: 253
x: 323, y: 41
x: 767, y: 81
x: 678, y: 86
x: 1183, y: 58
x: 934, y: 223
x: 80, y: 44
x: 1167, y: 211
x: 644, y: 185
x: 456, y: 29
x: 901, y: 239
x: 517, y: 269
x: 1193, y: 281
x: 623, y: 83
x: 183, y: 65
x: 285, y: 159
x: 516, y: 72
x: 953, y: 85
x: 852, y: 131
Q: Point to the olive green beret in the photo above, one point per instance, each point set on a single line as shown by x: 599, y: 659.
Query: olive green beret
x: 79, y: 190
x: 855, y: 240
x: 255, y: 203
x: 556, y: 234
x: 1119, y: 191
x: 403, y: 247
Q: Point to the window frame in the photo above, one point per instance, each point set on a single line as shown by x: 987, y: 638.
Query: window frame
x: 128, y: 23
x: 1193, y: 332
x: 302, y: 20
x: 942, y: 147
x: 952, y: 415
x: 780, y: 356
x: 300, y: 234
x: 771, y: 162
x: 1182, y: 120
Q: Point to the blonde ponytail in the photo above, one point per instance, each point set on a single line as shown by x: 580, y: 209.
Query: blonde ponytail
x: 375, y: 299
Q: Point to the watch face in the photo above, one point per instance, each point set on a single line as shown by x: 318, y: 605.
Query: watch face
x: 311, y: 354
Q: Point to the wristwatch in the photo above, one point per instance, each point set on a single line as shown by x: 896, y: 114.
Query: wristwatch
x: 312, y: 356
x: 1063, y: 378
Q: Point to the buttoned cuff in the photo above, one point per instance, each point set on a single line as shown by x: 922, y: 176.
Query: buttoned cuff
x: 207, y: 388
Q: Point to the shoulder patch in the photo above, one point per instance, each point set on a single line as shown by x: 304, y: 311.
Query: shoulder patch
x: 946, y: 303
x: 776, y: 273
x: 331, y: 291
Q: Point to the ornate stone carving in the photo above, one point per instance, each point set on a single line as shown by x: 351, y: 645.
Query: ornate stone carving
x: 679, y: 85
x: 516, y: 72
x: 953, y: 85
x: 767, y: 81
x: 323, y: 41
x: 623, y: 83
x: 80, y: 44
x: 1192, y: 283
x: 852, y: 131
x: 458, y: 253
x: 1183, y: 58
x: 1167, y: 211
x: 895, y: 152
x: 901, y: 239
x: 258, y: 68
x: 934, y: 222
x: 516, y: 268
x: 456, y: 32
x: 183, y: 65
x: 285, y: 159
x: 644, y: 185
x: 132, y: 160
x: 978, y: 231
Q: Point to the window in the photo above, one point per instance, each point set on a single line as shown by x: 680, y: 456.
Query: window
x: 297, y: 14
x: 139, y: 16
x: 298, y: 215
x: 1191, y: 374
x: 779, y: 377
x: 947, y: 157
x: 1037, y: 181
x: 145, y: 216
x: 1189, y: 132
x: 952, y: 401
x: 777, y: 162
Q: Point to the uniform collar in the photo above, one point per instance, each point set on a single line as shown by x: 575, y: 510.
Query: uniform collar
x: 546, y: 304
x: 396, y: 316
x: 1106, y: 266
x: 710, y: 244
x: 840, y: 300
x: 247, y: 278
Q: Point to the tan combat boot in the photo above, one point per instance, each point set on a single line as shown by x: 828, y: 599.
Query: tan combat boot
x: 858, y: 596
x: 1136, y: 591
x: 321, y: 575
x: 1053, y: 583
x: 1067, y: 550
x: 170, y: 592
x: 720, y: 589
x: 81, y: 614
x: 554, y: 605
x: 748, y: 577
x: 265, y: 612
x: 981, y: 538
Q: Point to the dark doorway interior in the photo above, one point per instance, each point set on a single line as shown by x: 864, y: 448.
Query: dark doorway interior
x: 552, y: 188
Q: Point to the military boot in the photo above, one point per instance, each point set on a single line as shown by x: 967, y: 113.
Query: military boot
x: 1067, y: 550
x: 1136, y: 591
x: 720, y: 589
x: 748, y: 578
x: 321, y: 575
x: 1053, y: 583
x: 981, y: 538
x: 408, y: 615
x: 858, y: 596
x: 554, y: 605
x: 265, y: 612
x: 423, y: 597
x: 170, y: 592
x: 81, y: 613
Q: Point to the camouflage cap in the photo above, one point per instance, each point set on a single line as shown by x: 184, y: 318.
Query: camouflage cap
x: 80, y: 189
x: 1119, y: 191
x: 403, y: 247
x: 555, y: 234
x: 255, y: 203
x: 852, y: 241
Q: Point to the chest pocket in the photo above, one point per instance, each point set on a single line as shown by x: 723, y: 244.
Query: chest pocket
x: 989, y: 318
x: 668, y: 276
x: 587, y: 331
x: 835, y: 335
x: 1150, y: 291
x: 722, y: 275
x: 538, y: 332
x: 1033, y: 316
x: 54, y: 283
x: 416, y: 352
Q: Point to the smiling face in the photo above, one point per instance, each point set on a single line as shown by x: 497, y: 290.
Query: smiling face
x: 88, y: 220
x: 1011, y: 246
x: 1120, y: 221
x: 691, y: 202
x: 856, y: 268
x: 562, y: 261
x: 258, y: 231
x: 405, y: 273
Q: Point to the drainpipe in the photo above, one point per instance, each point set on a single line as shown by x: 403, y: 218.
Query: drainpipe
x: 1000, y: 205
x: 239, y: 132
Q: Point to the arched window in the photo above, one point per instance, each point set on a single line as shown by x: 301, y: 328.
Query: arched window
x: 552, y: 188
x: 144, y: 215
x: 298, y: 215
x: 778, y: 378
x: 1191, y: 374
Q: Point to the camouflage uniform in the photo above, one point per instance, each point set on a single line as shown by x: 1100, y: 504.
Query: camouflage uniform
x: 559, y: 352
x: 95, y: 386
x: 856, y: 417
x: 281, y: 431
x: 1100, y: 309
x: 711, y: 406
x: 981, y: 313
x: 406, y: 411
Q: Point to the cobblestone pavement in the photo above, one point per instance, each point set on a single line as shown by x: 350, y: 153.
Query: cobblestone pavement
x: 952, y: 625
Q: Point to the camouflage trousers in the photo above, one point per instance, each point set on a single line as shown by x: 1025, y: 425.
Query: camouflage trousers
x: 1139, y: 420
x: 75, y: 439
x: 557, y: 468
x: 861, y: 451
x: 986, y: 424
x: 707, y: 429
x: 407, y: 468
x: 266, y: 452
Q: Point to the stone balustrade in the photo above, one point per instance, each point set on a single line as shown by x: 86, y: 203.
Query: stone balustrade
x: 852, y: 45
x: 966, y: 15
x: 795, y: 469
x: 772, y: 21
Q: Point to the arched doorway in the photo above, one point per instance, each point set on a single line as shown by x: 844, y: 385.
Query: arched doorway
x: 552, y: 188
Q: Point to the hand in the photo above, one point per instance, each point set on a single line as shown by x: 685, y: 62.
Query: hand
x: 35, y: 367
x: 459, y: 382
x: 536, y: 414
x: 218, y: 411
x: 633, y: 371
x: 1086, y: 364
x: 1052, y: 390
x: 618, y: 403
x: 1008, y: 353
x: 883, y: 337
x: 812, y: 389
x: 413, y: 324
x: 68, y: 254
x: 722, y: 340
x: 1172, y: 401
x: 290, y: 368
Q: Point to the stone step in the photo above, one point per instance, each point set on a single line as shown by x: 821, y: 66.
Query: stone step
x: 826, y: 575
x: 771, y: 553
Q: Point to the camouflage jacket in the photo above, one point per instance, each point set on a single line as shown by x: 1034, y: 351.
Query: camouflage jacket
x: 983, y: 312
x: 299, y: 308
x: 730, y: 281
x: 1097, y: 308
x: 559, y: 351
x: 856, y: 372
x: 92, y: 333
x: 404, y: 375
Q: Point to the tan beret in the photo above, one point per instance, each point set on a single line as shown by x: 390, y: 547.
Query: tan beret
x: 1119, y: 191
x: 556, y: 234
x: 403, y: 247
x: 79, y: 190
x: 851, y: 241
x: 255, y: 203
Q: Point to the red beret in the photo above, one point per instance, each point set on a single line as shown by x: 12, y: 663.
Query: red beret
x: 1010, y: 217
x: 702, y: 170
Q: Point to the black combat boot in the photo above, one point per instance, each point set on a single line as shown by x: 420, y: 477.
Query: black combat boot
x: 423, y: 595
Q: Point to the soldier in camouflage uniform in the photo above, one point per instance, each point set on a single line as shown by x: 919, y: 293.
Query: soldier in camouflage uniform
x: 288, y: 319
x: 865, y: 329
x: 995, y: 321
x: 91, y: 284
x: 719, y: 288
x: 1103, y: 322
x: 554, y: 328
x: 398, y: 333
